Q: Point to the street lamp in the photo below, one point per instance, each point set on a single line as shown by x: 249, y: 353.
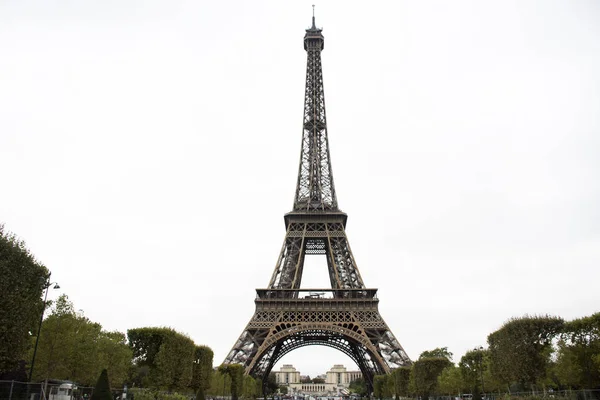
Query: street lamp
x: 480, y: 360
x: 37, y: 338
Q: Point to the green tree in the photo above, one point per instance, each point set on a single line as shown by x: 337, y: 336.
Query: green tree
x: 271, y: 384
x: 169, y: 356
x: 235, y: 373
x: 426, y: 371
x: 202, y: 370
x: 450, y: 381
x: 102, y: 388
x: 438, y: 352
x: 581, y: 343
x: 21, y: 287
x: 68, y: 347
x: 358, y: 386
x: 219, y: 384
x: 251, y: 388
x: 472, y: 367
x: 401, y: 378
x: 174, y: 362
x: 75, y: 348
x: 566, y: 369
x: 379, y: 386
x: 115, y: 355
x: 520, y: 350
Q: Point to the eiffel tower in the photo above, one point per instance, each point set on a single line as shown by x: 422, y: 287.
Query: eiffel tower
x: 345, y: 316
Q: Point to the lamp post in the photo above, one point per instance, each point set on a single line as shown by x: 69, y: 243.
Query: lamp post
x: 480, y: 360
x: 37, y: 338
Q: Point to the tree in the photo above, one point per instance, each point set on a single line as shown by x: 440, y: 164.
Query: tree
x: 75, y: 348
x: 169, y: 356
x: 219, y: 384
x: 520, y: 350
x: 115, y: 355
x: 581, y: 344
x: 21, y: 287
x: 236, y: 373
x: 102, y: 388
x: 359, y: 387
x: 426, y: 371
x: 67, y: 349
x: 401, y: 377
x: 438, y: 352
x: 379, y: 386
x: 202, y: 370
x: 566, y: 370
x: 450, y: 381
x: 472, y: 366
x: 271, y: 384
x: 251, y: 388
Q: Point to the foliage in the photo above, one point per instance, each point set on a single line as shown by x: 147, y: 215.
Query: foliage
x: 75, y: 348
x: 565, y: 370
x: 383, y: 386
x: 202, y: 370
x: 251, y: 387
x: 219, y: 385
x: 271, y: 384
x: 438, y: 352
x: 426, y: 372
x: 21, y: 287
x: 520, y: 350
x: 379, y: 386
x: 450, y: 381
x: 102, y: 388
x: 169, y: 356
x: 149, y: 394
x: 401, y: 379
x: 115, y: 355
x: 472, y: 366
x: 235, y: 373
x: 358, y: 386
x: 579, y: 347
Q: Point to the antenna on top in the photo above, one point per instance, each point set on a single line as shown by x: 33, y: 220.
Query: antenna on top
x: 313, y: 16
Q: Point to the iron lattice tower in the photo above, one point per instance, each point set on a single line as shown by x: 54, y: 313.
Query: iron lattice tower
x: 345, y: 316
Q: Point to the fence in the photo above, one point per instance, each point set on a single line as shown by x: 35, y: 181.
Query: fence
x: 547, y: 394
x: 14, y: 390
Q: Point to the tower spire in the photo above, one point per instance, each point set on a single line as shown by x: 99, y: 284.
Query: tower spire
x: 315, y: 191
x: 313, y: 25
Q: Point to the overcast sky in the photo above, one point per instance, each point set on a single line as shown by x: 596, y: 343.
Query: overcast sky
x: 150, y: 149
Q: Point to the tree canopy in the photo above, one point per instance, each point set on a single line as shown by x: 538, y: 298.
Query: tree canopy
x: 202, y: 370
x: 520, y: 350
x: 21, y: 288
x: 75, y: 348
x: 169, y: 356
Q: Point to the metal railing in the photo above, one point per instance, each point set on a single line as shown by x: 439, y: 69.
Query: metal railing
x: 15, y: 390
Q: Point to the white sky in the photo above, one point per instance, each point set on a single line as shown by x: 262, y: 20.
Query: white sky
x: 150, y: 150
